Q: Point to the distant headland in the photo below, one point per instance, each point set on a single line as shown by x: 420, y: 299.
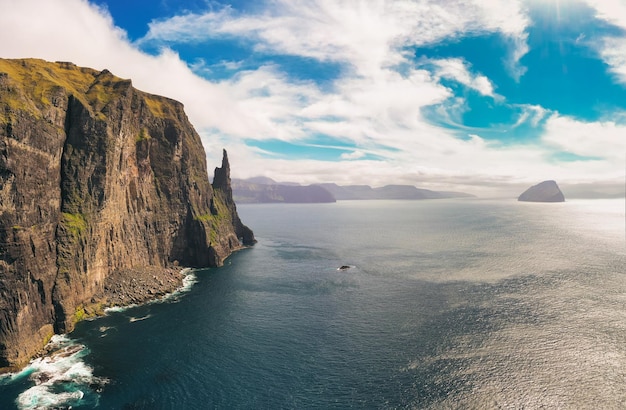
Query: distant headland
x: 266, y: 190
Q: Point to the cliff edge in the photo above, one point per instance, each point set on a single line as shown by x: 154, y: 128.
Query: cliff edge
x: 547, y: 191
x: 97, y: 180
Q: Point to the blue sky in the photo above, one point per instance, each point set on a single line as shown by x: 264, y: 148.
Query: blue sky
x: 482, y: 96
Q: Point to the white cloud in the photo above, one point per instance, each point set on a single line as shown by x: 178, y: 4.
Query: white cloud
x: 612, y: 11
x: 390, y: 100
x: 372, y: 106
x: 71, y: 30
x: 613, y: 52
x: 353, y: 155
x: 366, y: 34
x: 531, y: 113
x: 603, y: 140
x: 456, y: 69
x: 612, y: 48
x: 520, y: 48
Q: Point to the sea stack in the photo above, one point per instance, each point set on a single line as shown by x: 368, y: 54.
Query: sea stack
x: 98, y: 181
x: 547, y: 191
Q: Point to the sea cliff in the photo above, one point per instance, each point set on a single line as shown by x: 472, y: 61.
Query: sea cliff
x: 98, y: 180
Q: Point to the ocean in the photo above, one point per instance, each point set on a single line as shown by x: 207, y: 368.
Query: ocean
x: 446, y: 304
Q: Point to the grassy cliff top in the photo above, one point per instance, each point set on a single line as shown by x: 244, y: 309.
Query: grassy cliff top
x: 32, y: 84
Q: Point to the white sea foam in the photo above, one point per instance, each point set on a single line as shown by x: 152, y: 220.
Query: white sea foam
x: 137, y: 319
x: 40, y: 397
x: 61, y: 378
x: 189, y: 280
x: 116, y: 309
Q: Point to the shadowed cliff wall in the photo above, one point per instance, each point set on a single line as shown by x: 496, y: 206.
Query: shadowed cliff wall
x: 95, y: 176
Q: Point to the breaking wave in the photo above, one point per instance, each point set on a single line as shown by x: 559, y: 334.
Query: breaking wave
x: 117, y: 309
x: 138, y: 319
x: 61, y: 378
x: 189, y: 280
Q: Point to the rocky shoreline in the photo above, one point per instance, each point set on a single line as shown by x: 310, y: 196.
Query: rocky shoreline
x: 136, y: 286
x: 125, y: 287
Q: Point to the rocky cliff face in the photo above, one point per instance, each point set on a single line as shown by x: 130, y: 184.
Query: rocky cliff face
x: 547, y: 191
x: 96, y: 177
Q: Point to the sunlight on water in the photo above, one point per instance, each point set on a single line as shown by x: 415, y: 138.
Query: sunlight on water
x: 454, y: 304
x: 603, y: 218
x: 555, y: 329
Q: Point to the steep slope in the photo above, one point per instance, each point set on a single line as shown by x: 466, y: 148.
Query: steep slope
x: 96, y: 177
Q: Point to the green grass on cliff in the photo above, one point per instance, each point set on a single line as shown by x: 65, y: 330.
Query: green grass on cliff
x: 75, y: 223
x: 155, y: 106
x: 33, y: 86
x: 79, y: 314
x: 87, y: 312
x: 35, y: 81
x: 162, y: 107
x: 143, y: 135
x: 208, y: 217
x: 217, y: 222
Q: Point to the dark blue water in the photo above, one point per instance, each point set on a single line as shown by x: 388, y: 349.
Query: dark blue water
x: 447, y: 304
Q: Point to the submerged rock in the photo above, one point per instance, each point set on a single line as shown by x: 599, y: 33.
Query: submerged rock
x: 547, y: 191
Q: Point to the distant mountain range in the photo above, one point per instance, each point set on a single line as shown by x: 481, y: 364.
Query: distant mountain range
x: 266, y: 190
x: 358, y: 192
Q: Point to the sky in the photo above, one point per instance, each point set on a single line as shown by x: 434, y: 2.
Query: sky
x: 481, y: 96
